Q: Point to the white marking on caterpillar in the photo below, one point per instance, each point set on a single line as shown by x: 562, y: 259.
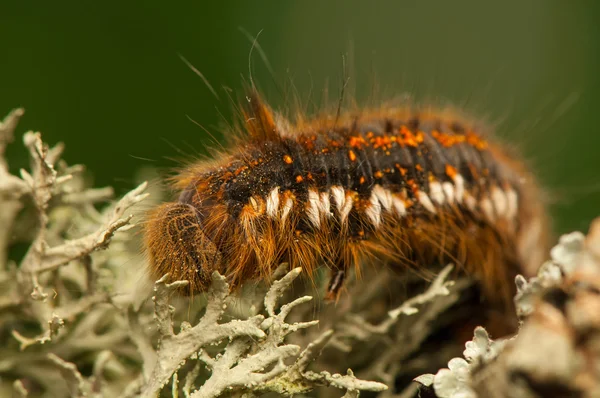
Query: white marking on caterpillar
x: 459, y: 183
x: 273, y: 202
x: 384, y: 196
x: 254, y: 204
x: 448, y: 191
x: 313, y: 208
x: 426, y: 202
x: 342, y: 202
x: 339, y: 196
x: 287, y: 207
x: 488, y: 208
x: 399, y: 206
x: 500, y: 201
x: 373, y: 211
x: 325, y: 204
x: 346, y: 209
x: 436, y: 193
x: 513, y: 203
x: 470, y: 202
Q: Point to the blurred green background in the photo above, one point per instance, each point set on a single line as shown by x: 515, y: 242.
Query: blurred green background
x: 105, y: 76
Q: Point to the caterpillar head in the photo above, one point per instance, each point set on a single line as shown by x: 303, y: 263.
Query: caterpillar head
x: 176, y: 244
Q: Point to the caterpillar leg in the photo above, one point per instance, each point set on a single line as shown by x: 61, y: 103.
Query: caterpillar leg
x: 335, y: 285
x: 336, y: 281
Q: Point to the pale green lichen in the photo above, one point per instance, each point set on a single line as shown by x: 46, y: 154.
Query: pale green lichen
x: 557, y: 348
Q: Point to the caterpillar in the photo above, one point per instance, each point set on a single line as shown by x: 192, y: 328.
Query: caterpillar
x: 404, y: 186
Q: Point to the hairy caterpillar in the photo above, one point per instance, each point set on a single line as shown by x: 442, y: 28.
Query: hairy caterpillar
x: 408, y: 187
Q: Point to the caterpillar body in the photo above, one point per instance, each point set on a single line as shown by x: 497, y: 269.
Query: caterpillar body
x: 409, y: 188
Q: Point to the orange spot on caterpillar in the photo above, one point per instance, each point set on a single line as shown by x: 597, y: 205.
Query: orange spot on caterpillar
x: 403, y: 170
x: 448, y: 140
x: 384, y: 141
x: 299, y: 179
x: 474, y: 140
x: 412, y: 184
x: 288, y: 159
x: 351, y: 155
x: 357, y: 142
x: 409, y: 138
x: 450, y: 171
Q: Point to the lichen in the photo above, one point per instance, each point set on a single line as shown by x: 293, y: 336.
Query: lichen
x: 556, y: 351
